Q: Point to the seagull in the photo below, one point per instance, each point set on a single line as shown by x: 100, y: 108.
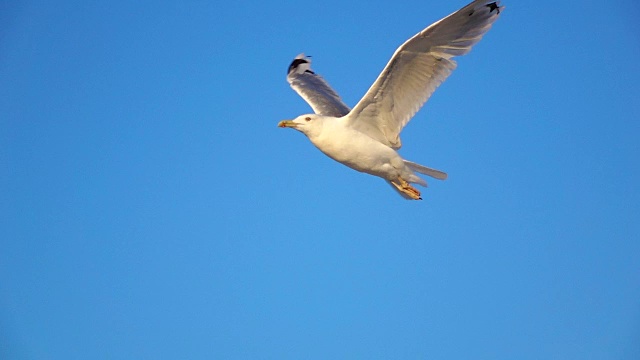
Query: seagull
x: 367, y: 137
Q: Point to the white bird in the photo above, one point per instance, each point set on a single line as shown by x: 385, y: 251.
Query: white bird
x: 366, y: 137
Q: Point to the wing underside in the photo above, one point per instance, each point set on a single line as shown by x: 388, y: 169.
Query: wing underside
x: 314, y: 89
x: 417, y: 68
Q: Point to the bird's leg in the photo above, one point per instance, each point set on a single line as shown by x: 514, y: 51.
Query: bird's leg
x: 407, y: 189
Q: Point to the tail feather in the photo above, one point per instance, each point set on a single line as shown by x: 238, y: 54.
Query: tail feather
x: 437, y: 174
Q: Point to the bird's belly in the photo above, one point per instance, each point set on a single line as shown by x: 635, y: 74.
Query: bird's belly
x: 363, y: 154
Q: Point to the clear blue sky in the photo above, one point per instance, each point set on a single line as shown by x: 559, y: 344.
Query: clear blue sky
x: 151, y: 209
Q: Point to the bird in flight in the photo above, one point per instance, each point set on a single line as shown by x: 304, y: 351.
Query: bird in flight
x: 366, y: 137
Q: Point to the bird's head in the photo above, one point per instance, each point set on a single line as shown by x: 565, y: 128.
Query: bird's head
x: 309, y: 124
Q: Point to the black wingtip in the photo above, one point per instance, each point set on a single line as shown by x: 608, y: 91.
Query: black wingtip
x: 296, y: 63
x: 493, y: 6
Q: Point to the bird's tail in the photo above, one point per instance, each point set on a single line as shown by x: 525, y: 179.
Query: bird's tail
x: 436, y: 174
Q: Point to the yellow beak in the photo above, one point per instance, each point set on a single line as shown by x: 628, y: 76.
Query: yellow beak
x: 287, y: 123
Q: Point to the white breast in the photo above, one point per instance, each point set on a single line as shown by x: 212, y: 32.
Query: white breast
x: 356, y: 150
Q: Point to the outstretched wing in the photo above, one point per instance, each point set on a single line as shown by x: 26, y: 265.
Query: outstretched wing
x: 417, y: 68
x: 314, y: 89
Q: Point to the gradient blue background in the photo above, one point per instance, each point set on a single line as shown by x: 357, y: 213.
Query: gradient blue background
x: 151, y: 209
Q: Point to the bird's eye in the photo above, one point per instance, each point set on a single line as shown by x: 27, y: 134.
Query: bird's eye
x: 307, y: 118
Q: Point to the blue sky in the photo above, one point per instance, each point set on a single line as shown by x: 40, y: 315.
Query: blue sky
x: 150, y: 207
